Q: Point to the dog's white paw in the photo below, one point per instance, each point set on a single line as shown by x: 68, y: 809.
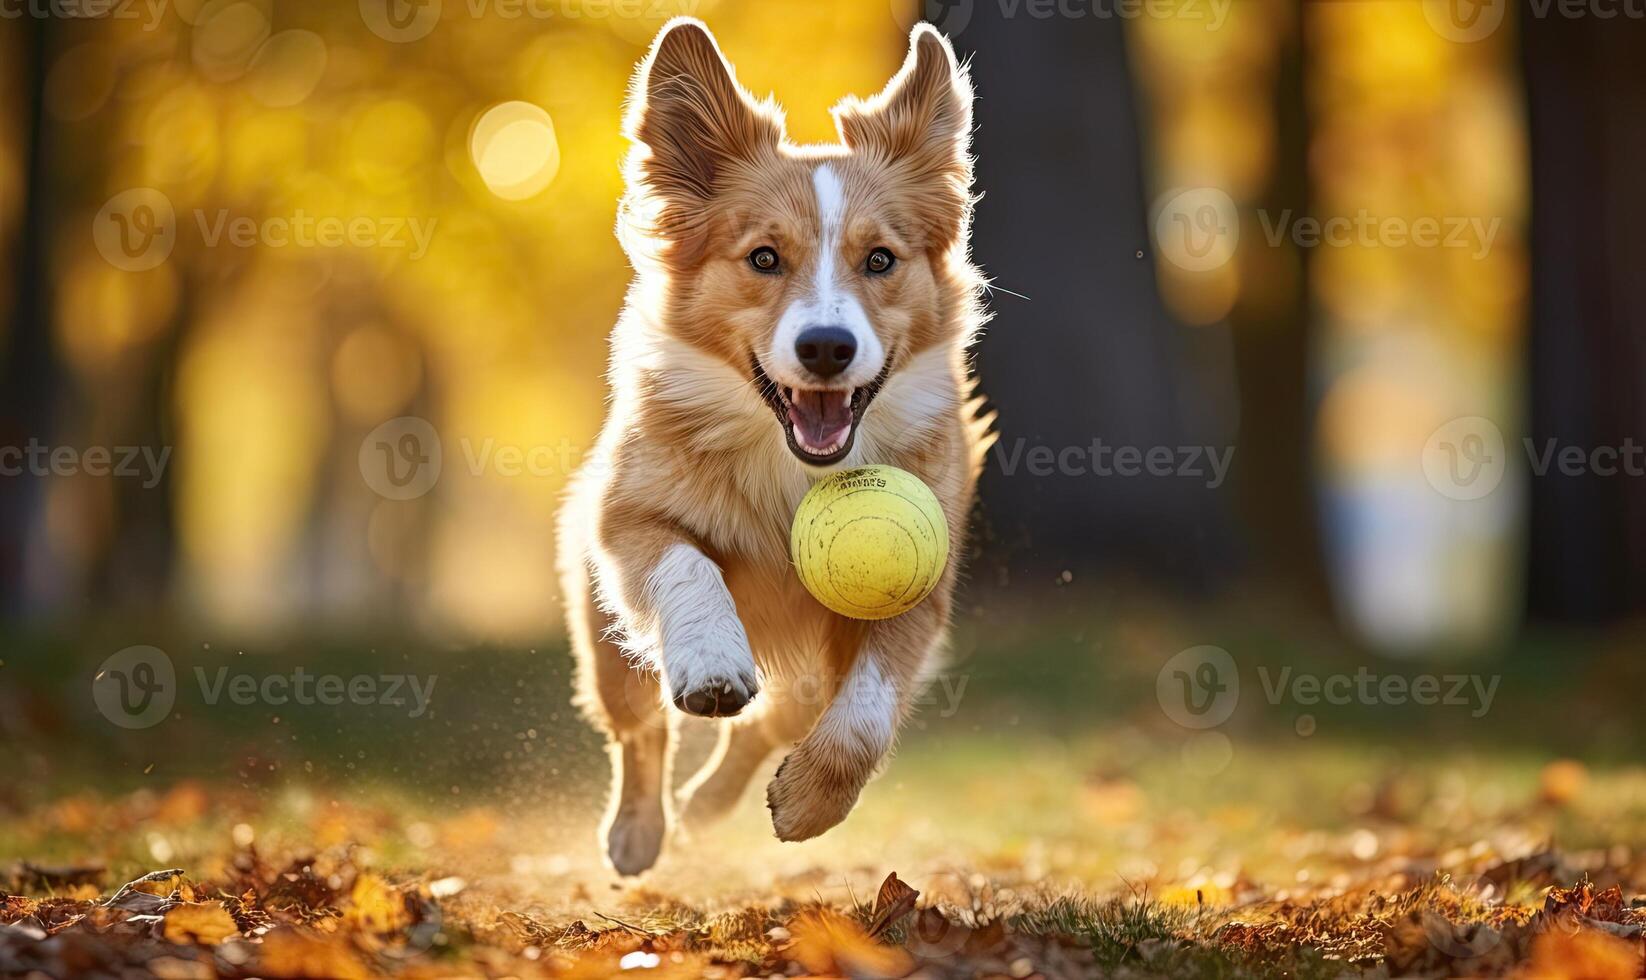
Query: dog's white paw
x: 808, y: 796
x: 705, y: 655
x: 633, y: 839
x: 710, y: 670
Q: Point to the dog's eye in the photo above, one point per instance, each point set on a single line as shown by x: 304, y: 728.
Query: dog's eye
x: 880, y: 262
x: 764, y: 259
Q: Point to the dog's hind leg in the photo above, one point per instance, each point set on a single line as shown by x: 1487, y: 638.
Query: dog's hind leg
x: 626, y: 703
x: 789, y: 711
x: 716, y: 788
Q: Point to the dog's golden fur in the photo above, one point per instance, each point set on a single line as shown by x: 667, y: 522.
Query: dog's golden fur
x: 674, y: 536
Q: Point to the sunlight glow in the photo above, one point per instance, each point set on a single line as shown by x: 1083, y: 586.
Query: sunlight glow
x: 514, y: 149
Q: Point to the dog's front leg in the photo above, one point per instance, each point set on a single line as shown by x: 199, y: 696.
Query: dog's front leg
x: 818, y: 783
x: 707, y: 664
x: 678, y: 607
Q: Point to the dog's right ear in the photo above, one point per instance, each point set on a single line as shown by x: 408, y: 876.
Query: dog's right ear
x: 695, y: 121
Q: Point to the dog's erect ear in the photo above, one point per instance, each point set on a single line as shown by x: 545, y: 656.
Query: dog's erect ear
x: 921, y: 121
x: 686, y: 107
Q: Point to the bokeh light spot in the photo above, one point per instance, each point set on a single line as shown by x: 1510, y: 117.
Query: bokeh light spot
x: 287, y: 68
x: 226, y: 37
x: 514, y: 149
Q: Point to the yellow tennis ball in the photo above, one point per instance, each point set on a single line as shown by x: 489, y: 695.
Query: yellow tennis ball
x: 870, y: 542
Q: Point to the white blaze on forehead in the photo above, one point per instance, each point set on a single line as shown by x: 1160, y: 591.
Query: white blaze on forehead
x: 829, y: 300
x: 831, y: 212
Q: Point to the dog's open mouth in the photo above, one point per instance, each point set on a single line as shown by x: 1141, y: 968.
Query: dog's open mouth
x: 820, y: 424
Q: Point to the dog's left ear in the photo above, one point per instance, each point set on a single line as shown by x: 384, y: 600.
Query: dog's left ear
x: 686, y: 107
x: 693, y: 125
x: 922, y: 124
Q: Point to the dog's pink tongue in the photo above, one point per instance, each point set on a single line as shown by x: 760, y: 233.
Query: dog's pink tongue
x: 821, y: 419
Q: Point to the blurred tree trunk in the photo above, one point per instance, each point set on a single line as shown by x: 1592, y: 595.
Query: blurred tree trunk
x: 1272, y: 470
x: 1586, y: 95
x: 28, y: 371
x: 1091, y: 354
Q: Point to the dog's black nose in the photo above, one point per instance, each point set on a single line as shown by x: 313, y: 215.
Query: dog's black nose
x: 825, y: 351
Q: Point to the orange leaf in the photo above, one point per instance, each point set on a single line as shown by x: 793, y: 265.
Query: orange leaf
x: 828, y: 943
x: 895, y: 900
x: 290, y: 953
x: 1587, y: 954
x: 375, y: 907
x: 206, y: 923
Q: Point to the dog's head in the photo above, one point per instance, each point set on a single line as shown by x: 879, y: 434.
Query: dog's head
x: 818, y: 272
